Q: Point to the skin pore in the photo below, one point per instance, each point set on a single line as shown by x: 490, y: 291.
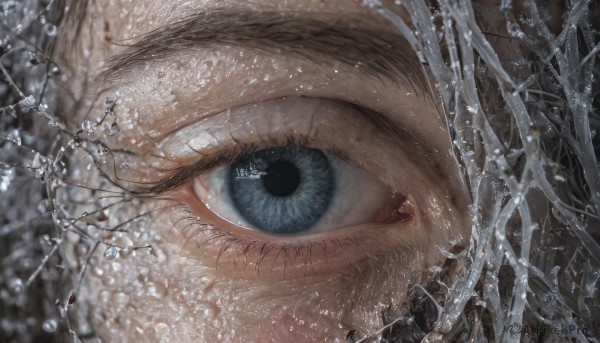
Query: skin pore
x: 207, y: 278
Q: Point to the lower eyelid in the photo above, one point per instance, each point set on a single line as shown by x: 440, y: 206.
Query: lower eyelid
x: 268, y: 261
x: 247, y: 254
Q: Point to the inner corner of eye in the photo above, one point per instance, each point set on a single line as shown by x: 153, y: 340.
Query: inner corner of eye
x: 399, y: 208
x: 291, y: 190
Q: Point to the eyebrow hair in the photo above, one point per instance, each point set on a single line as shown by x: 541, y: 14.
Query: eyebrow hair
x: 320, y: 37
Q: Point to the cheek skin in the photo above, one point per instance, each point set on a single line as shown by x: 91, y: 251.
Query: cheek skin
x: 166, y: 297
x: 186, y: 304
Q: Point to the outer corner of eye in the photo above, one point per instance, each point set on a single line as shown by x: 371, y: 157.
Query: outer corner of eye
x: 296, y: 191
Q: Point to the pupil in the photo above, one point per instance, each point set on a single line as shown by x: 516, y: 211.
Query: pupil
x: 281, y: 178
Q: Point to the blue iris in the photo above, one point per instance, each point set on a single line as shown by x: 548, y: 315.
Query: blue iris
x: 282, y: 190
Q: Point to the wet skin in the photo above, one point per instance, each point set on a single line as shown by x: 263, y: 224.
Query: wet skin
x: 227, y: 282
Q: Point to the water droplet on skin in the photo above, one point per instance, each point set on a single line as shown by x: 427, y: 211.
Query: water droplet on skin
x: 49, y: 325
x: 104, y: 296
x: 121, y: 298
x: 108, y: 281
x: 162, y: 330
x: 208, y: 313
x: 111, y: 129
x: 98, y: 271
x: 161, y: 257
x: 116, y: 267
x: 111, y: 253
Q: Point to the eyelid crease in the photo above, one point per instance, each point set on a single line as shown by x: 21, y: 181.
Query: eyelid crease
x: 185, y: 173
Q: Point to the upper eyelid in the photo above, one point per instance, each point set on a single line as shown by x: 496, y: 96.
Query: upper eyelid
x: 319, y: 37
x: 185, y: 173
x: 179, y: 175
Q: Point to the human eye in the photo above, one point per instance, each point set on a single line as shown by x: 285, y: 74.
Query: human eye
x: 283, y: 175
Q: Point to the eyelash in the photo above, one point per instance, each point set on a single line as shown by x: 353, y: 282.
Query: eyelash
x: 244, y: 249
x: 183, y: 174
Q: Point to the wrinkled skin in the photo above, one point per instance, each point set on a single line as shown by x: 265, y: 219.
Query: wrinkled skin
x: 186, y: 288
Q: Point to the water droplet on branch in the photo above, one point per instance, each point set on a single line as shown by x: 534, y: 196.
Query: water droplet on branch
x: 15, y: 137
x: 49, y: 325
x: 27, y: 103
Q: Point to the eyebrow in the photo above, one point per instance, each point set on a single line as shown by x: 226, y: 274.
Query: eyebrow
x: 324, y: 38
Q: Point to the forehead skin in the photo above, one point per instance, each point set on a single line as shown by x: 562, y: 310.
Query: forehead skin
x: 177, y: 298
